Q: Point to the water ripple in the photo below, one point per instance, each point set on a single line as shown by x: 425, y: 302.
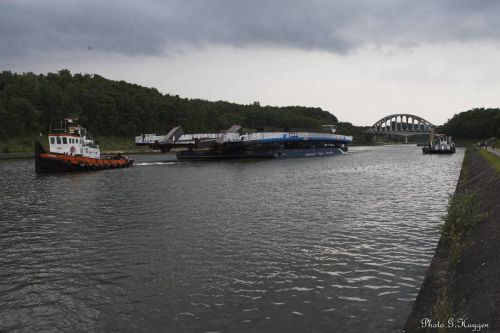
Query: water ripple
x: 324, y: 244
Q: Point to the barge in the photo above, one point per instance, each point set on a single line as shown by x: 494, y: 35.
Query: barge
x: 440, y: 144
x: 72, y: 149
x: 231, y: 144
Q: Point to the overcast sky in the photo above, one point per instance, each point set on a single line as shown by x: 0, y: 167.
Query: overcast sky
x: 359, y: 59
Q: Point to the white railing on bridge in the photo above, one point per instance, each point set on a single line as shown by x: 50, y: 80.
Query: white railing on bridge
x: 285, y: 136
x: 152, y: 138
x: 199, y: 136
x: 232, y: 137
x: 149, y: 138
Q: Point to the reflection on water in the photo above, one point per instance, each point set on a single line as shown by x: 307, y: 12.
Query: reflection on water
x: 321, y: 244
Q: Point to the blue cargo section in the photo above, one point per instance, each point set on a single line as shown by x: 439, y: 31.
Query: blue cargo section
x: 297, y: 138
x: 234, y: 144
x: 277, y: 137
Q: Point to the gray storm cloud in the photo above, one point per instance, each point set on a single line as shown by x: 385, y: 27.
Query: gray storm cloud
x: 151, y: 27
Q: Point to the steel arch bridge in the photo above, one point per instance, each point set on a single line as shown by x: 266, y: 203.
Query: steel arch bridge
x: 402, y: 124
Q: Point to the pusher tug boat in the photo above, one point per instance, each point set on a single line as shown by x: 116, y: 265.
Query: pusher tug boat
x: 70, y: 149
x: 441, y: 144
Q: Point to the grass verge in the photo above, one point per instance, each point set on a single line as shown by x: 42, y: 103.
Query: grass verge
x: 107, y: 143
x: 441, y: 311
x: 491, y: 158
x: 22, y: 144
x: 463, y: 213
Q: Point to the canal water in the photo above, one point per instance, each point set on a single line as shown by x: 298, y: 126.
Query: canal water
x: 334, y: 244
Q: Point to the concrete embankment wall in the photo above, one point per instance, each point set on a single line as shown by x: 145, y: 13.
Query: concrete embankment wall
x: 467, y: 288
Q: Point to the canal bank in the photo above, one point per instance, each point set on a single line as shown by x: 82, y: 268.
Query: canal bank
x: 461, y: 291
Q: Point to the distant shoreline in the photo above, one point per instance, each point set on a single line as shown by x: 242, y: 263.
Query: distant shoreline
x: 9, y: 156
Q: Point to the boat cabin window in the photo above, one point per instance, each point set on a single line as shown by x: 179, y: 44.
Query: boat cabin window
x: 65, y: 141
x: 59, y: 140
x: 52, y: 140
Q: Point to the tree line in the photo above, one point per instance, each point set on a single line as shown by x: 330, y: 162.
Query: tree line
x: 478, y: 123
x: 32, y: 103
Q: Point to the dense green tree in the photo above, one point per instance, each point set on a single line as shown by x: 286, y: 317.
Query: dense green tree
x: 359, y: 133
x: 477, y: 123
x: 31, y: 103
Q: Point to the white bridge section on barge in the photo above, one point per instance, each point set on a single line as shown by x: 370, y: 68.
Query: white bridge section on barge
x: 264, y: 137
x: 153, y: 138
x: 287, y: 136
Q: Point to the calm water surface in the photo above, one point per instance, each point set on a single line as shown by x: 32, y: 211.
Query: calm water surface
x: 322, y: 244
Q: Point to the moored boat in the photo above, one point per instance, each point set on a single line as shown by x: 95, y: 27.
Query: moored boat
x: 72, y: 149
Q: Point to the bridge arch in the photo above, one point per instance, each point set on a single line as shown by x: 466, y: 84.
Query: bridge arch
x: 402, y: 124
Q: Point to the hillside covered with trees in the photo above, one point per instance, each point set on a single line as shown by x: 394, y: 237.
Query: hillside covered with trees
x: 474, y: 124
x: 31, y: 103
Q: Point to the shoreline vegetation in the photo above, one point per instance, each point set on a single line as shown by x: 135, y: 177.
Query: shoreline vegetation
x: 25, y: 144
x: 117, y: 111
x: 35, y: 103
x: 492, y: 158
x: 461, y: 287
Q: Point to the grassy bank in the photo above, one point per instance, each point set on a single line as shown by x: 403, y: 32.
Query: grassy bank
x: 462, y: 279
x: 25, y: 144
x: 491, y: 158
x: 108, y: 143
x: 472, y: 142
x: 22, y: 144
x: 463, y: 213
